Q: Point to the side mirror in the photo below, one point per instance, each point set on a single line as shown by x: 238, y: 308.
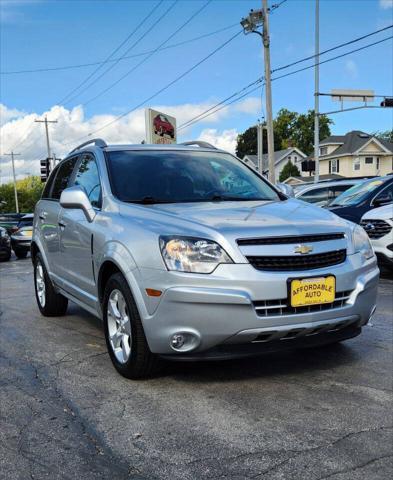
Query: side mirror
x: 383, y: 200
x: 286, y: 189
x: 75, y: 197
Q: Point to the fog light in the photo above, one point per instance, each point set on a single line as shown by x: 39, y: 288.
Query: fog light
x: 177, y: 341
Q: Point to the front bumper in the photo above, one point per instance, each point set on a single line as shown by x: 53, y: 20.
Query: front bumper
x: 218, y: 309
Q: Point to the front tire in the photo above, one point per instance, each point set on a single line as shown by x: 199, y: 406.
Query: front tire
x: 50, y: 303
x: 20, y: 253
x: 124, y: 334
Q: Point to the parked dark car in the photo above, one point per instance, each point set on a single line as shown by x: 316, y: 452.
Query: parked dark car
x: 5, y: 245
x: 355, y: 202
x: 163, y: 126
x: 10, y: 221
x: 21, y: 236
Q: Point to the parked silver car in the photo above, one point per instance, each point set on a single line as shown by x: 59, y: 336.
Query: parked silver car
x: 322, y: 193
x: 186, y: 253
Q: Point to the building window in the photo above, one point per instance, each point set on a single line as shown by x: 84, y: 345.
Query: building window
x: 378, y: 165
x: 323, y: 151
x: 356, y: 164
x: 335, y: 166
x: 289, y: 158
x: 369, y: 160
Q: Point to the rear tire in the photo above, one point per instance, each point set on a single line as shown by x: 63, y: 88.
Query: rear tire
x: 124, y: 334
x: 20, y: 253
x: 50, y: 303
x: 7, y: 258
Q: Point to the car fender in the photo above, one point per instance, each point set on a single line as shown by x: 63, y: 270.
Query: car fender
x: 118, y: 254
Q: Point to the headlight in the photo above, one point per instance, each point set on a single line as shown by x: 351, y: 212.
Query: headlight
x: 361, y: 242
x: 187, y: 254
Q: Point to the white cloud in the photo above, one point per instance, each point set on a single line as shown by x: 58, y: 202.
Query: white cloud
x: 225, y: 139
x: 385, y: 4
x: 7, y: 114
x: 351, y: 68
x: 21, y: 134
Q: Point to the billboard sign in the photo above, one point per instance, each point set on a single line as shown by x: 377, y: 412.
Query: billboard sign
x: 160, y: 127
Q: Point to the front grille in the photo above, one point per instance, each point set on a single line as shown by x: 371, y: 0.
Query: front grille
x: 299, y: 262
x: 376, y: 228
x: 272, y: 308
x: 290, y: 239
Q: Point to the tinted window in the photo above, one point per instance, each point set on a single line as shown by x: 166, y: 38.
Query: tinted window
x: 386, y: 193
x: 62, y: 178
x: 49, y: 184
x: 88, y: 178
x: 315, y: 195
x: 184, y: 176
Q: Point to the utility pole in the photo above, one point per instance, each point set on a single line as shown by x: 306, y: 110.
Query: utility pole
x: 12, y: 155
x: 46, y: 121
x: 269, y: 112
x: 316, y: 95
x: 260, y: 146
x: 250, y: 24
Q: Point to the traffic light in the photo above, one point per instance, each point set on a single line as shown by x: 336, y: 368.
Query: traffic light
x: 387, y: 103
x: 45, y: 169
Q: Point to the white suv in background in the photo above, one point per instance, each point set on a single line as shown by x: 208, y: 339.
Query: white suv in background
x: 378, y: 223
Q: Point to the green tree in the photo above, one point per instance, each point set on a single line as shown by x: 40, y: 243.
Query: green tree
x: 291, y: 129
x: 289, y: 170
x: 386, y: 135
x: 29, y: 192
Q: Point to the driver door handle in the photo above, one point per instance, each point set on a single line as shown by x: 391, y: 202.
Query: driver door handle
x: 42, y: 215
x: 62, y: 225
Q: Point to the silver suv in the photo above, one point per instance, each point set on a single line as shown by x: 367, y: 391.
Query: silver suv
x: 186, y: 253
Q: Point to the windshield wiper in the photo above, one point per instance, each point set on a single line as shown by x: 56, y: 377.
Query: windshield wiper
x: 148, y: 200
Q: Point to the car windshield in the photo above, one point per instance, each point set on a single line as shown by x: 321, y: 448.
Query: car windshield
x: 162, y: 176
x: 356, y: 194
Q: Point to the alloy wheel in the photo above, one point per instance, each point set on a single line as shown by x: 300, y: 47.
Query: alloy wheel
x: 119, y: 326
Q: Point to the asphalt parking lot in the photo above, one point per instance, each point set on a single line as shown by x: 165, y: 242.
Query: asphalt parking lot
x: 66, y: 414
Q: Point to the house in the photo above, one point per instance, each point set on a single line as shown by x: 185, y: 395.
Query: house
x: 281, y: 158
x: 356, y: 154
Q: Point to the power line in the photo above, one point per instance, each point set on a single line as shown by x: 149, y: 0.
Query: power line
x: 185, y: 124
x: 123, y: 57
x: 333, y: 48
x: 202, y: 115
x: 69, y: 97
x: 149, y: 56
x: 334, y: 58
x: 186, y: 72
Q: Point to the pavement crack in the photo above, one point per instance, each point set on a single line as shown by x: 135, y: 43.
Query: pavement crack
x: 356, y: 467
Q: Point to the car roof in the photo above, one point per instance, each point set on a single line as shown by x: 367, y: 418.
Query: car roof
x: 333, y: 183
x: 172, y: 146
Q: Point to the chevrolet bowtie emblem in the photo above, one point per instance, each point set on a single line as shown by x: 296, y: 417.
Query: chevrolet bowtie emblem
x: 303, y: 249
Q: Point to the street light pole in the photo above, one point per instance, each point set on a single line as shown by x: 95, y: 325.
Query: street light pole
x: 12, y: 154
x: 316, y: 95
x: 268, y: 86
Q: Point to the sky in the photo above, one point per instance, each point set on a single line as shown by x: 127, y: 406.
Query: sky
x: 39, y: 34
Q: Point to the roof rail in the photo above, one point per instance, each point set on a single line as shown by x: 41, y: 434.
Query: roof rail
x: 97, y: 141
x: 199, y: 143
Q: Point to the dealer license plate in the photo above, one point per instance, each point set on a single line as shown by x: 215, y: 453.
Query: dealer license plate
x: 312, y: 291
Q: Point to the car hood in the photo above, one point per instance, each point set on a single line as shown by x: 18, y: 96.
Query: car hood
x: 289, y: 217
x: 382, y: 213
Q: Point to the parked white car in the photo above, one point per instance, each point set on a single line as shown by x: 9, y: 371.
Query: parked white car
x: 378, y: 223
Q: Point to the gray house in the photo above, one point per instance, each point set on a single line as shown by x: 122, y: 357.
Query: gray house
x: 281, y: 158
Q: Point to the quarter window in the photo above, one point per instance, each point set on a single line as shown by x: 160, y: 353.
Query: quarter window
x: 62, y: 178
x: 88, y: 178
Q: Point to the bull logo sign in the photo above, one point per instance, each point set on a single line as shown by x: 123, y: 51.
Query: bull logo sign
x: 160, y: 127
